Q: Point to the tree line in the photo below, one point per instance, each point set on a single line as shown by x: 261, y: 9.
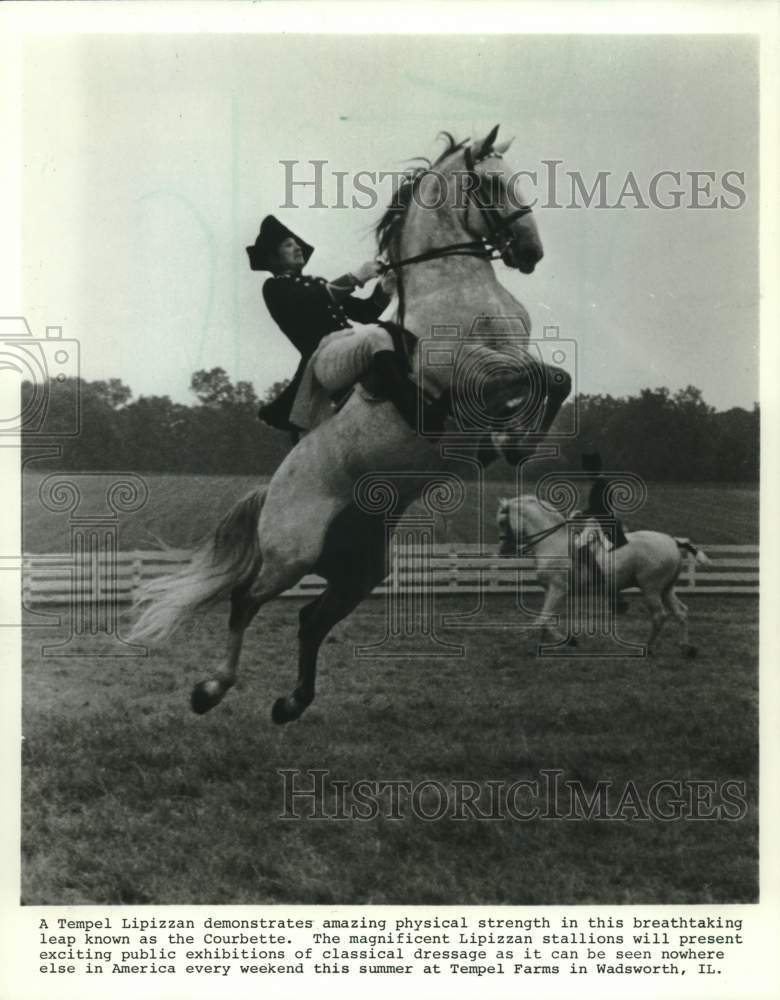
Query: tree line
x: 656, y: 434
x: 665, y: 436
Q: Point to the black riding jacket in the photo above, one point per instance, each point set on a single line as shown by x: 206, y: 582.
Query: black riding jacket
x: 305, y: 311
x: 599, y: 509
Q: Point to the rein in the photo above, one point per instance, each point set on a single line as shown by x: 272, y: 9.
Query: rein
x: 473, y: 248
x: 533, y: 540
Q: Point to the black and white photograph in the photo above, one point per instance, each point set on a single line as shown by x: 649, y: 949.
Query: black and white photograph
x: 387, y: 414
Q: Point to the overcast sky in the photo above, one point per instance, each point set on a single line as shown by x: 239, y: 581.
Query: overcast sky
x: 150, y: 160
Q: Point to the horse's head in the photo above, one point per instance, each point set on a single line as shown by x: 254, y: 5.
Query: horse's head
x: 471, y: 191
x: 497, y: 206
x: 487, y: 195
x: 510, y: 527
x: 519, y: 519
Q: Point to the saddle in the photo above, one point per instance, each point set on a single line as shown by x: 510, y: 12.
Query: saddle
x: 435, y: 410
x: 404, y: 341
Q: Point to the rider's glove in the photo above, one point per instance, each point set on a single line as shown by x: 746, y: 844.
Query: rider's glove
x: 365, y: 272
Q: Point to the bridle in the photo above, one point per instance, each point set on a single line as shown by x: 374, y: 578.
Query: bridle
x: 495, y: 222
x: 532, y: 540
x: 490, y: 247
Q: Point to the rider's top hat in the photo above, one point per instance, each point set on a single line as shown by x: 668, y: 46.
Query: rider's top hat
x: 591, y: 462
x: 272, y: 233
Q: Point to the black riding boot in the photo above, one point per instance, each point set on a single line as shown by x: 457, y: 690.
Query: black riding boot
x: 389, y: 379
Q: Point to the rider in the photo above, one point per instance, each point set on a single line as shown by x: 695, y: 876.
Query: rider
x: 314, y: 314
x: 599, y: 509
x: 598, y: 506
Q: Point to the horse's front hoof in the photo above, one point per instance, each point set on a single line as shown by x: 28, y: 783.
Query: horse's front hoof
x: 206, y: 695
x: 285, y: 710
x: 688, y: 651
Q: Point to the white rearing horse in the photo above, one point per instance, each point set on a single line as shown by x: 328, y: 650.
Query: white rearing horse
x: 651, y: 561
x: 440, y: 236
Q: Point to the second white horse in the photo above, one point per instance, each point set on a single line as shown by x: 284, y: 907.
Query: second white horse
x: 651, y: 561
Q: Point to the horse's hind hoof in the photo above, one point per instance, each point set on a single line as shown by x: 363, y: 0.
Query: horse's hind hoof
x: 278, y: 712
x: 285, y: 710
x: 689, y: 652
x: 205, y: 695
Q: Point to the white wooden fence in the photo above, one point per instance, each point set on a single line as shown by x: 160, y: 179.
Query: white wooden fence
x: 447, y: 569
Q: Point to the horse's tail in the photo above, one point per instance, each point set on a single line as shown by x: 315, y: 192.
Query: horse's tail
x: 687, y: 546
x: 232, y: 557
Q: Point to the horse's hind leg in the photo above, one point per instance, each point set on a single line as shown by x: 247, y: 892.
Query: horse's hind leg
x: 245, y: 601
x: 315, y: 621
x: 680, y: 612
x: 243, y: 608
x: 353, y: 562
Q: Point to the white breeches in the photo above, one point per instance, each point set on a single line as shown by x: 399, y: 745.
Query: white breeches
x: 591, y: 536
x: 344, y: 356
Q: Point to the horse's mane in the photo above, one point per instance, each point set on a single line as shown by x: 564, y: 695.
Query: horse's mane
x: 387, y: 232
x: 388, y: 229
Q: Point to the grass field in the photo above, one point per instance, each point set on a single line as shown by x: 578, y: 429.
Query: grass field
x: 183, y: 509
x: 129, y: 798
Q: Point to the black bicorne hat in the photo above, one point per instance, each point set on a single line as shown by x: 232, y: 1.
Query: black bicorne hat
x: 272, y: 233
x: 591, y: 462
